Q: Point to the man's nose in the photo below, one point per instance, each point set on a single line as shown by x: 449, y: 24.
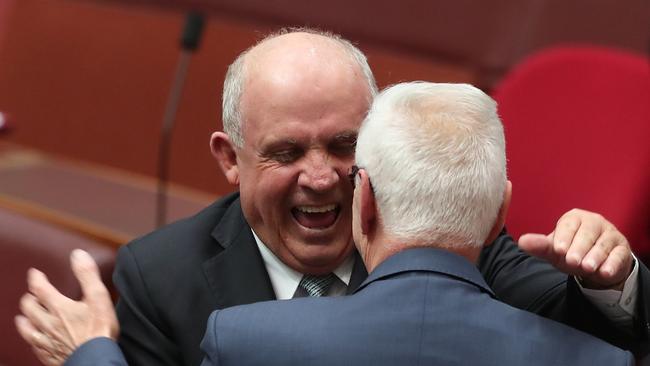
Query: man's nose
x: 319, y: 173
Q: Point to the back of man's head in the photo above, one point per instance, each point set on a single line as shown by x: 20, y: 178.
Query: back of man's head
x: 435, y: 156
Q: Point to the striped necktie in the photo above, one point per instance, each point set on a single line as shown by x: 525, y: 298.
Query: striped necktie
x: 317, y: 286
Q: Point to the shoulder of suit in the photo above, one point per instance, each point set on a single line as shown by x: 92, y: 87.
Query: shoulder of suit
x: 191, y: 229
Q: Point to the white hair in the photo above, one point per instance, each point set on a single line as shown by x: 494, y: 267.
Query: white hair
x: 233, y: 85
x: 435, y: 155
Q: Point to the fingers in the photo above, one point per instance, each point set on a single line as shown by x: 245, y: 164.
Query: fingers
x: 536, y: 244
x: 584, y: 244
x: 616, y: 266
x: 38, y: 325
x: 39, y: 317
x: 564, y: 233
x: 579, y: 241
x: 42, y: 289
x: 601, y: 250
x: 27, y: 330
x: 594, y: 241
x: 95, y: 294
x: 87, y: 273
x: 30, y: 333
x: 584, y: 239
x: 542, y: 246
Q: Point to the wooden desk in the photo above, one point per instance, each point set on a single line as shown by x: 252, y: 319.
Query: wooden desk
x: 110, y: 205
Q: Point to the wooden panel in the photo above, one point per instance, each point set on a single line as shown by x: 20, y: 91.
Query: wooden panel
x: 104, y: 203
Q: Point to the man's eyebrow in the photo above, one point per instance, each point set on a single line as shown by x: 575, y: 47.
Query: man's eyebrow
x: 346, y: 136
x: 278, y: 144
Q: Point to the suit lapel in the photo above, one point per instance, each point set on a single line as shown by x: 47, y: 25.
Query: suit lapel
x: 237, y: 275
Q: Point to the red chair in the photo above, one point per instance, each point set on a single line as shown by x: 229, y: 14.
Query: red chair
x: 577, y: 124
x: 24, y: 243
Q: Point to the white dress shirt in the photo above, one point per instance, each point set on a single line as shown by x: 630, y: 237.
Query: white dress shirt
x: 617, y: 306
x: 285, y: 280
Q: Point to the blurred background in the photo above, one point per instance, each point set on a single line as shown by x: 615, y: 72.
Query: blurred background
x: 83, y: 87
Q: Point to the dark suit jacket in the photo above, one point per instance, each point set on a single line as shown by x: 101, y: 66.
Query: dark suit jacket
x: 419, y: 307
x: 172, y: 279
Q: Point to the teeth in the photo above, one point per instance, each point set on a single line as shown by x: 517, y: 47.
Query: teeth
x: 316, y: 209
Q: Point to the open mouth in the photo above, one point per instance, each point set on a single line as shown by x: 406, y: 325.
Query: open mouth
x: 316, y: 217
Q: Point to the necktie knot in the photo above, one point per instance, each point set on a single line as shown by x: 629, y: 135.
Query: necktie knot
x: 317, y: 286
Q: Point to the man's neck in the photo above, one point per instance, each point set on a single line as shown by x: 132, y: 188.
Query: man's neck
x: 380, y: 250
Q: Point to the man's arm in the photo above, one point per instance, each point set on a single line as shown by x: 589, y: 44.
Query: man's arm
x: 97, y: 352
x: 534, y: 284
x: 209, y: 344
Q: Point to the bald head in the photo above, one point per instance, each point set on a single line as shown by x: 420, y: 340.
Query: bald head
x: 288, y: 60
x: 299, y: 59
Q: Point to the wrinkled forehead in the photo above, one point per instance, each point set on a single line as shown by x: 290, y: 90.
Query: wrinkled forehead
x: 302, y: 114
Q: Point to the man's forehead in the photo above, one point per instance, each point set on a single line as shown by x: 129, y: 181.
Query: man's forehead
x: 324, y: 136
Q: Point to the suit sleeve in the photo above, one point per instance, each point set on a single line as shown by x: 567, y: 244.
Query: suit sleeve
x: 209, y: 343
x: 142, y: 339
x: 97, y: 352
x: 534, y: 285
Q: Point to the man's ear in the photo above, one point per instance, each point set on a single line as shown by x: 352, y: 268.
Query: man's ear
x: 368, y: 206
x: 501, y: 217
x: 225, y: 154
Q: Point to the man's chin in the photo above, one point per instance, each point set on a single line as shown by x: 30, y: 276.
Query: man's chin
x: 320, y: 258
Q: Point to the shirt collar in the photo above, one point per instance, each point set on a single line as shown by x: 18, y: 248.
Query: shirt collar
x: 428, y: 260
x: 285, y: 279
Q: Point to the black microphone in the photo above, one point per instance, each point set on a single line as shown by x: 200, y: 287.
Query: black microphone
x: 189, y: 42
x: 192, y: 31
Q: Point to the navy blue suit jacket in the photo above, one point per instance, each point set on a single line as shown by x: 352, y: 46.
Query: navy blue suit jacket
x: 419, y: 307
x: 172, y: 279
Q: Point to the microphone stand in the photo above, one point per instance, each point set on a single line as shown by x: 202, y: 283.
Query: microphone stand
x: 189, y: 43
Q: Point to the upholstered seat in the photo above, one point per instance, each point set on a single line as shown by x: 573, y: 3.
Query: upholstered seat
x: 25, y: 243
x: 577, y: 123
